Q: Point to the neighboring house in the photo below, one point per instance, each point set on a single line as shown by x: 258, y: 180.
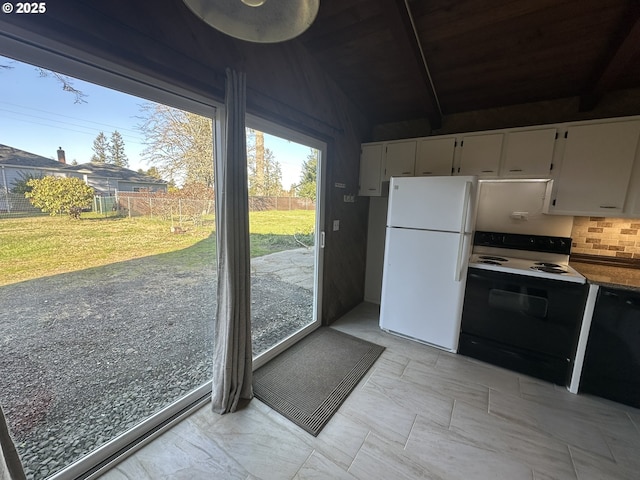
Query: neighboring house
x: 106, y: 179
x: 16, y: 165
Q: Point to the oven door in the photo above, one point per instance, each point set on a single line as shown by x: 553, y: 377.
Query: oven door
x: 522, y: 322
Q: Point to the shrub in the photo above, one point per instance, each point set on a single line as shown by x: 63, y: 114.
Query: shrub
x: 56, y: 195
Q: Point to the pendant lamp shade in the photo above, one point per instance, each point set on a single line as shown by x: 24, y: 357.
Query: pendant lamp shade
x: 261, y: 21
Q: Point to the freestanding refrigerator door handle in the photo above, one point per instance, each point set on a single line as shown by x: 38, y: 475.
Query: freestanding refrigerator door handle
x: 463, y: 226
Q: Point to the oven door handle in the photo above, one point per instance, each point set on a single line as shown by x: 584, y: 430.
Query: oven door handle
x: 463, y: 226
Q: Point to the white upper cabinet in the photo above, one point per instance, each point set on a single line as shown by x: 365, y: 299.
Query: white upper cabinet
x: 399, y: 159
x: 480, y: 155
x: 529, y: 153
x: 435, y: 156
x: 370, y: 170
x: 596, y: 168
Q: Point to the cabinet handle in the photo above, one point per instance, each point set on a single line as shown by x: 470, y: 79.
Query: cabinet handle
x: 427, y: 173
x: 406, y: 173
x: 515, y: 170
x: 486, y: 171
x: 371, y: 189
x: 608, y: 206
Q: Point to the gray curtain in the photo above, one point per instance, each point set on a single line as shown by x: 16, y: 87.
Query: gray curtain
x: 232, y: 356
x: 10, y: 466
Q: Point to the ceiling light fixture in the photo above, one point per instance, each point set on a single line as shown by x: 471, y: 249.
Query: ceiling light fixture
x: 261, y: 21
x: 254, y: 3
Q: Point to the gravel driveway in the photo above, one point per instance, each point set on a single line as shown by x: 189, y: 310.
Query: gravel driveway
x: 84, y: 356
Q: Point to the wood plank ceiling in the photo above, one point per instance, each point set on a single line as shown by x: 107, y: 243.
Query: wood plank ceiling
x: 474, y: 54
x: 462, y: 55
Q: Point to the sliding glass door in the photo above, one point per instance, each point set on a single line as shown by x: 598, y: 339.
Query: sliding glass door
x: 285, y: 174
x: 109, y: 305
x: 107, y: 314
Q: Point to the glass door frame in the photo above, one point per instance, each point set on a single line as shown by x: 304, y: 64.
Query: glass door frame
x: 278, y: 130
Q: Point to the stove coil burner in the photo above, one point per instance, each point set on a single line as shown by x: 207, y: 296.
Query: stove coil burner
x: 549, y: 268
x: 490, y: 262
x: 493, y: 259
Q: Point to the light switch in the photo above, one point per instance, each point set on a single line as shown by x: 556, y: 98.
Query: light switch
x: 336, y: 225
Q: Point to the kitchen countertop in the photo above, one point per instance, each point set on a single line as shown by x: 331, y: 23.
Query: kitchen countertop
x: 627, y: 278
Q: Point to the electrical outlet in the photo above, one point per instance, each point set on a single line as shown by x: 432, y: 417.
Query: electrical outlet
x: 336, y: 225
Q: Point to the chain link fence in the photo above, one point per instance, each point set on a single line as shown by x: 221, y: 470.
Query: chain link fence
x: 160, y: 205
x: 16, y: 205
x: 257, y: 204
x: 163, y: 205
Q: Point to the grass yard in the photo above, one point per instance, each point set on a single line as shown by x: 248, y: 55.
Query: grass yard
x: 34, y: 247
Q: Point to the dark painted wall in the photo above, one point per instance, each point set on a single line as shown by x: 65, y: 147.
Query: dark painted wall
x: 621, y: 103
x: 164, y: 39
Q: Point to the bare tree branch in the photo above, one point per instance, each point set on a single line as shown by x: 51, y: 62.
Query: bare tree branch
x: 66, y: 82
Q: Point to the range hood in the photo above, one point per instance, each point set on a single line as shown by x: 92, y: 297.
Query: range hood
x: 519, y: 206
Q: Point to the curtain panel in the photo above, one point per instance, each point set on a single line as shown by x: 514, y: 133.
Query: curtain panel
x: 232, y: 356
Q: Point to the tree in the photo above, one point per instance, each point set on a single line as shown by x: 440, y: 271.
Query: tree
x: 307, y: 186
x: 195, y: 191
x: 100, y: 149
x: 60, y: 195
x: 178, y: 143
x: 152, y: 172
x: 264, y: 172
x: 116, y: 151
x: 21, y: 186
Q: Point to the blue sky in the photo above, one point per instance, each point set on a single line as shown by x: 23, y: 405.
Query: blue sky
x: 37, y: 116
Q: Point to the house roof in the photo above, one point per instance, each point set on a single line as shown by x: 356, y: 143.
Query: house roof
x: 108, y: 170
x: 15, y: 156
x: 20, y: 158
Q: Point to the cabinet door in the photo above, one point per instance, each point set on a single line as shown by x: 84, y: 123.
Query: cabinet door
x: 596, y: 167
x: 399, y: 159
x: 370, y: 170
x: 611, y: 368
x: 529, y: 153
x: 480, y: 155
x: 435, y: 156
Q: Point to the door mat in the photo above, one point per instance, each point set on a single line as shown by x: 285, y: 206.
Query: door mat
x: 308, y: 382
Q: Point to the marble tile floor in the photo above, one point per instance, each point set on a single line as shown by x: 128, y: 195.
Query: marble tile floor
x: 418, y: 413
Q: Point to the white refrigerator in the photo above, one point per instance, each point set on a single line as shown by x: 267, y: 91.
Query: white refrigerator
x: 428, y: 242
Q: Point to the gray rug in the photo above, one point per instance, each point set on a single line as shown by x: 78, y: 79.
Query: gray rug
x: 308, y: 382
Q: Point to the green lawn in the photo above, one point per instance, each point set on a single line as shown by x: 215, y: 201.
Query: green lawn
x: 34, y: 247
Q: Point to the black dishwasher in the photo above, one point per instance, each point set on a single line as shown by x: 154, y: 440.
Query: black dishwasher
x: 612, y: 361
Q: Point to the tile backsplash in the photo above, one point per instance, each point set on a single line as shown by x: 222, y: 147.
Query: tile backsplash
x: 604, y: 236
